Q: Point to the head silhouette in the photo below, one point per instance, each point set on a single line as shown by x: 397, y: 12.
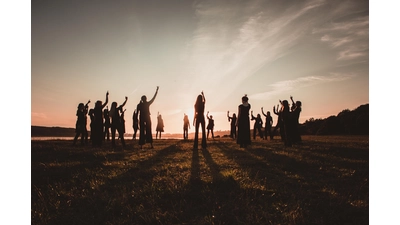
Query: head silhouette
x: 98, y: 103
x: 245, y: 99
x: 113, y: 105
x: 143, y: 98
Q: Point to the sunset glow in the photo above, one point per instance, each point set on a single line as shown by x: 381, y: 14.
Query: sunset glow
x: 316, y: 51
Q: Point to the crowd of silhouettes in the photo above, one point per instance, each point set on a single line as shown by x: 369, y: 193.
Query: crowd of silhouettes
x: 288, y: 121
x: 102, y: 120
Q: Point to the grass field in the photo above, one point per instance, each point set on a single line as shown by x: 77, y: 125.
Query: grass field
x: 323, y: 181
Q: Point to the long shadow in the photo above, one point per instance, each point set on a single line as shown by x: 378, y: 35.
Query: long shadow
x: 99, y: 206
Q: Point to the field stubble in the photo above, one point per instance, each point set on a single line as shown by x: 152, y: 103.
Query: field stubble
x: 322, y: 181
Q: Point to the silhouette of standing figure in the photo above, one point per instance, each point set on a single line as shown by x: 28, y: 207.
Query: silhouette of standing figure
x: 80, y: 126
x: 210, y: 126
x: 135, y: 124
x: 296, y: 110
x: 198, y: 120
x: 186, y: 127
x: 91, y: 116
x: 107, y: 123
x: 286, y: 130
x: 233, y: 125
x: 257, y: 126
x: 121, y: 135
x: 160, y: 125
x: 116, y: 122
x: 278, y: 123
x: 268, y: 124
x: 98, y: 124
x: 243, y: 123
x: 143, y: 111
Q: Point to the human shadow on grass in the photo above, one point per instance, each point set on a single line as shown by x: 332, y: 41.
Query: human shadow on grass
x: 99, y: 204
x: 302, y: 191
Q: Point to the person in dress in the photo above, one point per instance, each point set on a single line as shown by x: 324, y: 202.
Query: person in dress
x: 243, y: 123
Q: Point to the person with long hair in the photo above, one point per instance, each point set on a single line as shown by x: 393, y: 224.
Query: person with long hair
x: 296, y: 110
x: 116, y: 122
x: 135, y: 124
x: 232, y: 120
x: 98, y: 123
x: 160, y: 125
x: 268, y: 124
x: 186, y: 126
x: 80, y: 126
x: 198, y: 120
x: 107, y: 124
x: 243, y: 123
x: 143, y: 112
x: 257, y: 126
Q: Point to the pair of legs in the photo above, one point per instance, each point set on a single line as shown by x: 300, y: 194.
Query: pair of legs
x: 255, y: 130
x: 185, y: 133
x: 200, y: 121
x: 268, y: 132
x: 157, y: 134
x: 121, y: 135
x: 212, y: 133
x: 145, y: 135
x: 80, y: 131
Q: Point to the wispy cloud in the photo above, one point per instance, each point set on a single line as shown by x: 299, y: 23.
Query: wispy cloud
x: 36, y: 115
x: 289, y: 85
x: 233, y: 41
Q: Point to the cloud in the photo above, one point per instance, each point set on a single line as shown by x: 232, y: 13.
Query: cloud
x: 288, y: 85
x: 36, y: 115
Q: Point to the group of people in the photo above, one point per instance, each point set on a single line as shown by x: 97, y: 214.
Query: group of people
x: 104, y: 120
x: 288, y: 122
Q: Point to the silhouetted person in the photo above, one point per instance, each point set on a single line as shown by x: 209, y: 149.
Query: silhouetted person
x: 243, y: 123
x: 198, y: 120
x: 122, y: 133
x: 107, y: 124
x: 296, y: 110
x: 91, y: 116
x: 116, y: 122
x: 186, y: 127
x: 233, y: 124
x: 257, y: 127
x: 80, y: 126
x: 160, y: 125
x: 135, y: 124
x: 98, y: 124
x: 286, y: 131
x: 278, y: 121
x: 143, y: 111
x: 86, y: 133
x: 268, y: 124
x: 210, y: 126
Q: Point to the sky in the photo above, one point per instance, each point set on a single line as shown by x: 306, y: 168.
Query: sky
x: 316, y: 51
x: 56, y: 54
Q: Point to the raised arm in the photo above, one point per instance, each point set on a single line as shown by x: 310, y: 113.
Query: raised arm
x: 207, y: 115
x: 291, y: 98
x: 204, y: 98
x: 154, y: 97
x: 106, y: 102
x: 262, y: 111
x: 123, y: 104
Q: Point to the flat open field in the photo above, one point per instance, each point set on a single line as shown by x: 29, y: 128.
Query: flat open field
x: 323, y: 181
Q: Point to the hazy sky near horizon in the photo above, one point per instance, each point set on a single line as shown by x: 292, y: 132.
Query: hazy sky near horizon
x: 317, y: 51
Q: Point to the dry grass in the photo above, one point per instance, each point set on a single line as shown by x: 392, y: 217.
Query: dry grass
x: 322, y: 181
